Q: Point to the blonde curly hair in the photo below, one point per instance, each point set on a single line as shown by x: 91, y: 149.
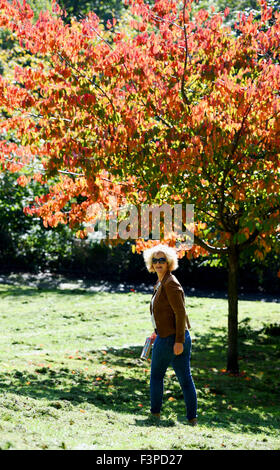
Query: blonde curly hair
x: 170, y: 254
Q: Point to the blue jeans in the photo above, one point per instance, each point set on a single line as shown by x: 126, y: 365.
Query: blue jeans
x: 162, y: 357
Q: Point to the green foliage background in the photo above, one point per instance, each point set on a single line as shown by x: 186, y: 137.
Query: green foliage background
x: 104, y: 9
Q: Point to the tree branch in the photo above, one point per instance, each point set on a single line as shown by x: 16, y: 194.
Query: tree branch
x: 210, y: 248
x: 87, y: 78
x: 185, y: 98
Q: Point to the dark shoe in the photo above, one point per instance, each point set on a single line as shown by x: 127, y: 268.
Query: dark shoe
x: 192, y: 422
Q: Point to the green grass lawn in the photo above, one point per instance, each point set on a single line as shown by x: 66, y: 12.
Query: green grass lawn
x: 71, y: 377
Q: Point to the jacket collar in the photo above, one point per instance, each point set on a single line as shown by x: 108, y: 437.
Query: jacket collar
x: 158, y: 291
x: 165, y: 277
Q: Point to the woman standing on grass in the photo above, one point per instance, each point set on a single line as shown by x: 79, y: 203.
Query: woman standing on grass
x: 172, y: 341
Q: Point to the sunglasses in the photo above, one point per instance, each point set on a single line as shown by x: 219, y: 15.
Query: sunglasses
x: 159, y: 260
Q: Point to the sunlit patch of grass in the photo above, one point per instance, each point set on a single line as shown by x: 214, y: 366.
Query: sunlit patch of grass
x: 71, y: 376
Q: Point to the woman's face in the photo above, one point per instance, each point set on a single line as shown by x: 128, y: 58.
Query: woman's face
x: 160, y: 268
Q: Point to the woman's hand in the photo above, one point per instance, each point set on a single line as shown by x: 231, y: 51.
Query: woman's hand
x: 178, y: 348
x: 153, y: 336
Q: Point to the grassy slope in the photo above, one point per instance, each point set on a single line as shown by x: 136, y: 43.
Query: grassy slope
x: 71, y: 376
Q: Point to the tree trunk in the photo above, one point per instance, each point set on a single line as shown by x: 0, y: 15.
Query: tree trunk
x: 232, y: 359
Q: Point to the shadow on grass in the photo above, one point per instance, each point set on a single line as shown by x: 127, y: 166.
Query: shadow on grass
x: 17, y: 291
x: 243, y: 403
x: 32, y: 284
x: 51, y: 282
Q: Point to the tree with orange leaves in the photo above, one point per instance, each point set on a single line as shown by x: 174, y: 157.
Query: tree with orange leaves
x: 172, y: 109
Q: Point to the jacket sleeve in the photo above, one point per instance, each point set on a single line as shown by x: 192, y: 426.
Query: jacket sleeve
x: 175, y: 298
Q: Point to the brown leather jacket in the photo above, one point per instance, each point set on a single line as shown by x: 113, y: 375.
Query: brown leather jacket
x: 169, y: 308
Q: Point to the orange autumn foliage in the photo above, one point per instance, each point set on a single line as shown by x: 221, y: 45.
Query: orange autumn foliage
x: 173, y: 109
